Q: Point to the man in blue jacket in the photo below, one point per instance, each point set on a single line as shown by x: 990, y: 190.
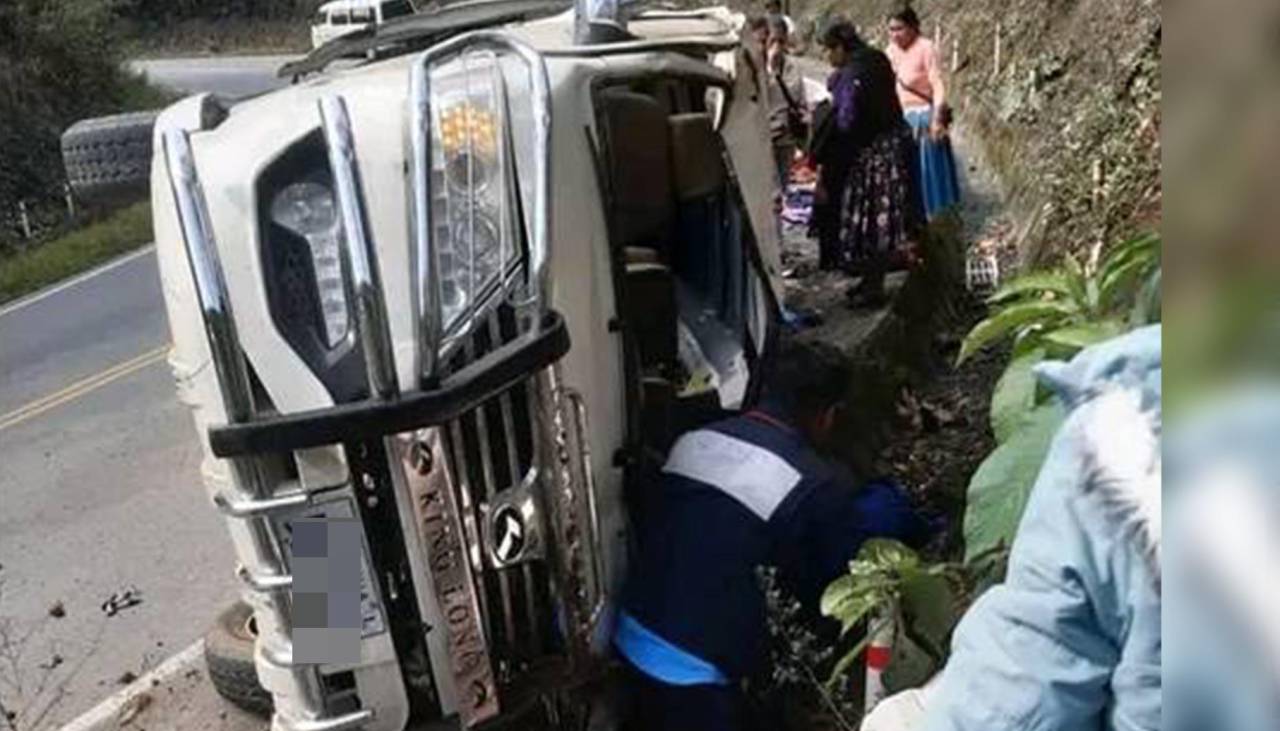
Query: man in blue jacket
x: 746, y: 492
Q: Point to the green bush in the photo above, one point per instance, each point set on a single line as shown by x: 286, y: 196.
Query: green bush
x: 1048, y: 314
x: 59, y: 62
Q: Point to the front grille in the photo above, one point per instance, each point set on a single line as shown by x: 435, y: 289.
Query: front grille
x: 490, y: 450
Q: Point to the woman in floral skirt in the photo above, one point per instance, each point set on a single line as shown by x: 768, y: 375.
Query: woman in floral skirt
x: 879, y: 214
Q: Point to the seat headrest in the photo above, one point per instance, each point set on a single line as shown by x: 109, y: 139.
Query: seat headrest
x: 640, y: 166
x: 695, y: 156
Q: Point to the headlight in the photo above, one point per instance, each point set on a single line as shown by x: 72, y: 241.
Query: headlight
x: 469, y: 141
x: 308, y: 210
x: 473, y: 226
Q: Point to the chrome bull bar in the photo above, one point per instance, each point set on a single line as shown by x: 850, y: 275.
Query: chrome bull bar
x: 251, y: 495
x: 418, y: 422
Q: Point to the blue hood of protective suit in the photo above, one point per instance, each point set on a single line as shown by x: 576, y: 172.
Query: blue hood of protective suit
x: 1071, y: 639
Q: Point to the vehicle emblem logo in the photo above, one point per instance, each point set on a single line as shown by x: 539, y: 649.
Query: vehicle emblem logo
x: 508, y: 534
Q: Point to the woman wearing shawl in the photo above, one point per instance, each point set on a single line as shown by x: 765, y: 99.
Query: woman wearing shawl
x: 865, y: 163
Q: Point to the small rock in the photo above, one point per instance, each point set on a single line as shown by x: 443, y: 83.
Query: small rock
x: 57, y: 611
x: 126, y: 677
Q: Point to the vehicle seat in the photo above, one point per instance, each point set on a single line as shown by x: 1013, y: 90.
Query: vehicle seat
x: 644, y: 203
x: 643, y: 210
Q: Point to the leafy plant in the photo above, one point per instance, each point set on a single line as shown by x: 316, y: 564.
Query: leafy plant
x: 1048, y: 314
x: 1066, y: 309
x: 888, y: 584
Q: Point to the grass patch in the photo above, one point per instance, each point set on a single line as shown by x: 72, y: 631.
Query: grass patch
x: 30, y: 268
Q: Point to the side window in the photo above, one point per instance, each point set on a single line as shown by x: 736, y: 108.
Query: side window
x: 340, y: 17
x: 322, y: 18
x: 362, y: 15
x: 396, y: 9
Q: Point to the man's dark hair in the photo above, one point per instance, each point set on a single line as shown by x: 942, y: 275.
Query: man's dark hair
x: 841, y: 34
x: 757, y: 22
x: 907, y: 16
x: 771, y: 4
x: 806, y: 377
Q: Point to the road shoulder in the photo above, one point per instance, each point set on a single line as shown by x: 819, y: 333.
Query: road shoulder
x: 177, y: 694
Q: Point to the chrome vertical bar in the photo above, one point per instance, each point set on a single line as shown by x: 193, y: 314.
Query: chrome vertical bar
x: 426, y: 265
x: 513, y: 468
x: 582, y: 435
x: 490, y: 487
x: 233, y: 383
x: 359, y: 257
x: 206, y: 271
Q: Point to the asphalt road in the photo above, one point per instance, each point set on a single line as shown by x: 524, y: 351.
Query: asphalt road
x: 99, y: 474
x: 233, y: 76
x: 99, y: 480
x: 99, y: 477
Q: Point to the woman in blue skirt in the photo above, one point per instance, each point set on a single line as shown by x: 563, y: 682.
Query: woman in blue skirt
x: 924, y: 98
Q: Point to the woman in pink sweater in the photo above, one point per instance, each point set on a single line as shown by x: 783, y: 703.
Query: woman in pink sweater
x: 923, y: 95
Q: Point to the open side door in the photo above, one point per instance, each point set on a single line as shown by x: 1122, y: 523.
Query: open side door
x: 744, y: 127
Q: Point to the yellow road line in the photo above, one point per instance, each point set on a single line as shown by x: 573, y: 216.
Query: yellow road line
x: 82, y: 387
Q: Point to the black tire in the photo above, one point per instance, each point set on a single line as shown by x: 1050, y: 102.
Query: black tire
x: 228, y: 655
x: 108, y: 159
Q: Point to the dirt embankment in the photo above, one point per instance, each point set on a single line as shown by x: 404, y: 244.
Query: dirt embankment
x: 1068, y: 114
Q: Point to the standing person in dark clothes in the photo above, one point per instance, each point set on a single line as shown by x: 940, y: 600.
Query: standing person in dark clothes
x: 746, y: 492
x: 788, y: 108
x: 871, y: 145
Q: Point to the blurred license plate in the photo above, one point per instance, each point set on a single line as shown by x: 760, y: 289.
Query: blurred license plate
x: 328, y: 555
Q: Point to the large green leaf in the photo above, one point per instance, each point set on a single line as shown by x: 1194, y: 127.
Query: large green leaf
x: 910, y: 666
x: 999, y: 489
x: 1015, y: 394
x: 849, y: 598
x: 1120, y: 284
x: 1010, y: 320
x: 1034, y: 283
x: 1078, y: 337
x: 837, y: 592
x: 1144, y: 246
x: 929, y: 607
x: 888, y: 554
